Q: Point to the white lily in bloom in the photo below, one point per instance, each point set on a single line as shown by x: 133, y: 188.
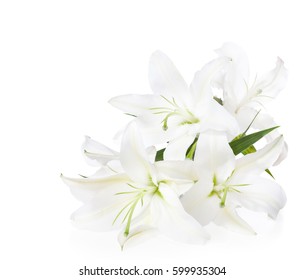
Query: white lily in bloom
x: 177, y: 111
x: 225, y: 183
x: 235, y: 82
x: 145, y: 194
x: 245, y: 101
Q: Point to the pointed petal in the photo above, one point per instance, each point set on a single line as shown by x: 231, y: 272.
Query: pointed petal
x: 270, y: 84
x: 199, y: 204
x: 264, y: 121
x: 164, y: 77
x: 236, y: 75
x: 84, y: 189
x: 262, y: 195
x: 237, y: 56
x: 201, y: 84
x: 134, y: 157
x: 171, y: 219
x: 227, y: 217
x: 214, y: 154
x: 97, y: 153
x: 177, y: 148
x: 256, y: 163
x: 137, y: 235
x: 135, y: 104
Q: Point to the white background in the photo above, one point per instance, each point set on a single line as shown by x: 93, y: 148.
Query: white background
x: 60, y: 62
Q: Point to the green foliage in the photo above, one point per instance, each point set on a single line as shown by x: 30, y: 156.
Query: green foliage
x: 160, y: 155
x: 244, y: 144
x: 240, y: 144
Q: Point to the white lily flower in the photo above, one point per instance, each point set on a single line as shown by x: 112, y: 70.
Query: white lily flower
x: 225, y: 183
x: 235, y: 82
x: 145, y: 195
x: 245, y: 101
x: 177, y: 112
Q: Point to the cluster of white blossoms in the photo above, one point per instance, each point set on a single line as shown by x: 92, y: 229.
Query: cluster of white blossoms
x: 187, y: 157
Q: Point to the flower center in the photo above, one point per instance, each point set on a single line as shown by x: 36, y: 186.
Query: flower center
x: 174, y: 110
x: 138, y: 194
x: 221, y: 189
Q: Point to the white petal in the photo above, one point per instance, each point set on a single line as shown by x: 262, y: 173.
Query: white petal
x: 262, y: 195
x: 213, y: 116
x: 227, y: 217
x: 214, y: 154
x: 85, y: 189
x: 101, y: 211
x: 115, y: 166
x: 282, y: 155
x: 179, y: 175
x: 152, y: 133
x: 264, y: 121
x: 201, y: 84
x: 199, y: 204
x: 171, y: 219
x: 177, y: 148
x: 137, y: 235
x: 97, y: 153
x: 256, y: 163
x: 135, y: 104
x: 236, y: 75
x: 134, y: 157
x: 237, y: 56
x: 270, y: 84
x: 164, y: 77
x: 244, y: 117
x: 151, y: 151
x: 180, y: 170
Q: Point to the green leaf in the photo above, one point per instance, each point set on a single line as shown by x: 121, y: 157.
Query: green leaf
x: 191, y: 150
x: 218, y: 100
x: 268, y: 171
x: 238, y: 145
x: 251, y: 149
x: 160, y: 155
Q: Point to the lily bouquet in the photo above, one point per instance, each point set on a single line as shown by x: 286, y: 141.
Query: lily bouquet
x: 188, y: 157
